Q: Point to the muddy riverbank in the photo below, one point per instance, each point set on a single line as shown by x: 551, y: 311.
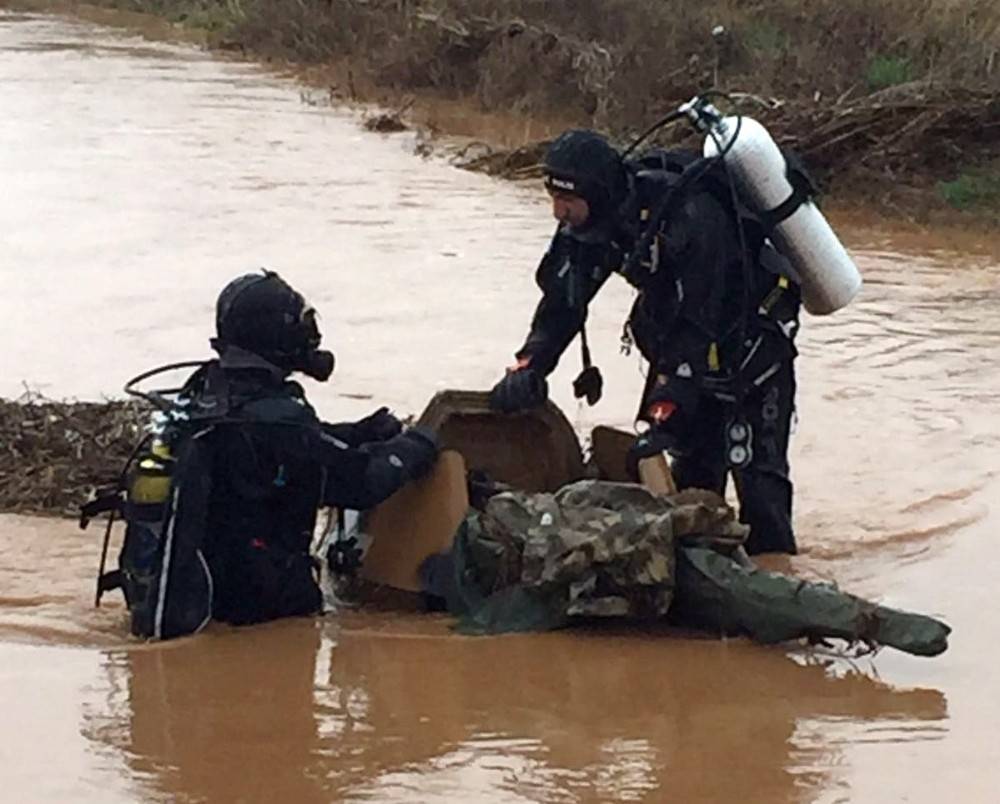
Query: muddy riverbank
x: 909, y: 131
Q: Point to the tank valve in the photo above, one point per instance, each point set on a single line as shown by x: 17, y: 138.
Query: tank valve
x: 701, y: 113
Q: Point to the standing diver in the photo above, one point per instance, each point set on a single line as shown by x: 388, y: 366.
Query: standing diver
x: 715, y: 316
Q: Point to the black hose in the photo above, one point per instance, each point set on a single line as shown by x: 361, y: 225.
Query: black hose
x: 155, y: 398
x: 744, y: 254
x: 111, y: 517
x: 664, y: 121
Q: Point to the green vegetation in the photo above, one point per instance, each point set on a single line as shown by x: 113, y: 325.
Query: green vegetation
x: 974, y: 188
x: 888, y: 71
x: 765, y: 37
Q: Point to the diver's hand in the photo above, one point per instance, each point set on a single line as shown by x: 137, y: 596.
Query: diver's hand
x: 418, y: 449
x: 519, y: 390
x: 381, y: 425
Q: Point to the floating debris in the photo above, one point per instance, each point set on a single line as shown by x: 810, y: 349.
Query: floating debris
x: 520, y: 163
x: 385, y: 123
x: 390, y: 122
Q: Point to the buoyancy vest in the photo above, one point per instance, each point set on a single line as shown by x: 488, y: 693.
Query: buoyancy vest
x: 664, y: 181
x: 168, y: 495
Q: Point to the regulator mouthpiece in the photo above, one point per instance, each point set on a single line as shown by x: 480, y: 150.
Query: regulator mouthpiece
x: 318, y: 365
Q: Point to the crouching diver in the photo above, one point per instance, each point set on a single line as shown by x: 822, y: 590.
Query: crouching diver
x: 221, y: 500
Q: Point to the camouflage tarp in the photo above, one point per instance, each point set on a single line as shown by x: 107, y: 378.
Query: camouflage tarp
x: 530, y: 562
x: 594, y: 548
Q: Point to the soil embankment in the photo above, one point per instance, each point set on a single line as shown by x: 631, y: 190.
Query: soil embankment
x: 895, y: 104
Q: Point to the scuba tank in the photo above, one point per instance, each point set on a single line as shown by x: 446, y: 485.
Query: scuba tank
x: 829, y: 278
x: 161, y: 495
x: 147, y: 496
x: 150, y: 483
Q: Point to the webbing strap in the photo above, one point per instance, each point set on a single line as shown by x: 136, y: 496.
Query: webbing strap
x: 802, y: 190
x: 109, y: 581
x: 106, y: 500
x: 772, y: 298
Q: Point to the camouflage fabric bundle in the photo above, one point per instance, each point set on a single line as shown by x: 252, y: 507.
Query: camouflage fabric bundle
x: 532, y: 562
x: 594, y: 549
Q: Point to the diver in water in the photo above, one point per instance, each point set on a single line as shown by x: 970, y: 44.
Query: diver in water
x: 715, y: 316
x: 222, y: 507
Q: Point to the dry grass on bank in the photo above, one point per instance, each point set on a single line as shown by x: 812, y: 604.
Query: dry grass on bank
x: 617, y: 62
x: 619, y: 56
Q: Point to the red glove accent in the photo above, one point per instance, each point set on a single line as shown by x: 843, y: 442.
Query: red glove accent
x: 659, y: 412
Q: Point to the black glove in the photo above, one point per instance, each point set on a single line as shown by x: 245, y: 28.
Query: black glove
x: 678, y: 394
x: 345, y: 556
x: 519, y: 390
x: 380, y: 425
x: 589, y: 384
x: 418, y: 449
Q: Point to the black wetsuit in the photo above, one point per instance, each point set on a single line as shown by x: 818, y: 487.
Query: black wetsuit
x: 719, y: 329
x: 273, y: 463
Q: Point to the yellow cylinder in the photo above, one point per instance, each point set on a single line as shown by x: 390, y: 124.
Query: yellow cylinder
x: 151, y: 481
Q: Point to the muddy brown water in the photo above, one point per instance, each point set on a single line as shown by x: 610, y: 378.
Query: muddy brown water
x: 138, y: 178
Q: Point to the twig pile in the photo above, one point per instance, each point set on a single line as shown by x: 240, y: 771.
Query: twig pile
x: 52, y: 454
x: 909, y: 129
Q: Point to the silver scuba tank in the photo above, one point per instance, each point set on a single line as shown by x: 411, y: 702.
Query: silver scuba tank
x: 829, y: 277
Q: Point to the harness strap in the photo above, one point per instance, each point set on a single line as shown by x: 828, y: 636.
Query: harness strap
x: 107, y: 499
x: 772, y: 298
x: 584, y: 348
x: 109, y: 581
x: 802, y: 191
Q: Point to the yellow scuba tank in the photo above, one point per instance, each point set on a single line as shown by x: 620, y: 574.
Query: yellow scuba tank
x: 162, y: 570
x: 150, y: 482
